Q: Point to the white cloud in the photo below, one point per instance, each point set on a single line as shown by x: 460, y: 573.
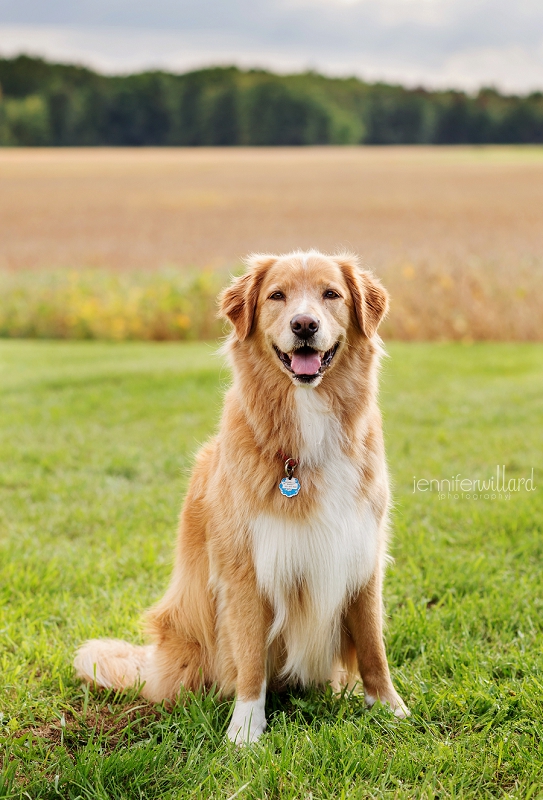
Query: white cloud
x: 464, y: 43
x: 515, y: 68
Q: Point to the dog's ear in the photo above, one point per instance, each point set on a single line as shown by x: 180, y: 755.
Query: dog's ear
x: 238, y: 301
x: 370, y: 299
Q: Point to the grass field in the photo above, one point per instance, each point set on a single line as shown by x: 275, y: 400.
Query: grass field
x: 96, y: 442
x: 456, y: 233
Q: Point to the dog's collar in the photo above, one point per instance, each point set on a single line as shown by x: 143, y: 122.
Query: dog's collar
x: 289, y: 462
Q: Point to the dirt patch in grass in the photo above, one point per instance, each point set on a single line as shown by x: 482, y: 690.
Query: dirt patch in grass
x: 109, y: 725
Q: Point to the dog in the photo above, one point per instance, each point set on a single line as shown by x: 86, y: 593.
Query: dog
x: 282, y: 539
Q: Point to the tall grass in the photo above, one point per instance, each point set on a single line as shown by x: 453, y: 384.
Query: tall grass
x: 96, y: 243
x: 473, y: 301
x: 470, y: 300
x: 100, y: 304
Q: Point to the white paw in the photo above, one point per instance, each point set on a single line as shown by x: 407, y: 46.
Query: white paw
x: 400, y: 710
x: 248, y: 721
x: 391, y: 699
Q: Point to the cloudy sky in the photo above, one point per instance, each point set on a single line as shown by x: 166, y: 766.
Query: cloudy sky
x: 462, y: 43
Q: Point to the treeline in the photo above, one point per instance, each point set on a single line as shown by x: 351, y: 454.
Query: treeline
x: 61, y: 105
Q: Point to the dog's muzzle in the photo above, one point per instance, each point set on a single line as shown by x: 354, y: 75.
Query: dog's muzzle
x: 306, y: 363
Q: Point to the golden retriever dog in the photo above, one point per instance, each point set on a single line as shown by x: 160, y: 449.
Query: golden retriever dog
x: 282, y: 538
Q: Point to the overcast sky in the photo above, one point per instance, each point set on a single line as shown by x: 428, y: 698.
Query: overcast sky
x: 461, y: 43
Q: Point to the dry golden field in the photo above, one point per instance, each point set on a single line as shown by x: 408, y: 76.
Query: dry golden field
x: 456, y: 234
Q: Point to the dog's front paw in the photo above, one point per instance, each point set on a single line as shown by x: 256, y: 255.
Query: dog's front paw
x: 248, y: 721
x: 389, y: 697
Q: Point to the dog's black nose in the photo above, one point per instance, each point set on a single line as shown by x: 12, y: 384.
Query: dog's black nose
x: 304, y: 326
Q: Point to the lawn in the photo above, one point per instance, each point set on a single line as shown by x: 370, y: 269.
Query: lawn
x: 96, y: 444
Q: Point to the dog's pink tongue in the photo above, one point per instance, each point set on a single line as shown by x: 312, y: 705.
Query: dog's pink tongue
x: 305, y: 363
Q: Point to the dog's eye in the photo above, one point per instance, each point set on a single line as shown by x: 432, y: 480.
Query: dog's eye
x: 276, y: 296
x: 330, y: 294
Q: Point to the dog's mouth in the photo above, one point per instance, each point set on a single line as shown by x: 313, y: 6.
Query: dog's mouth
x: 306, y: 363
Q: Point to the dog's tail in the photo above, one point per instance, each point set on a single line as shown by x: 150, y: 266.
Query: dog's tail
x: 114, y: 664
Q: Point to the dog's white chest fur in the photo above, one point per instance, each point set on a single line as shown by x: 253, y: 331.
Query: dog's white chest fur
x: 309, y: 569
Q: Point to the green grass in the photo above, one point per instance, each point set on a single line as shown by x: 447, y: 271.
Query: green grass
x: 96, y: 444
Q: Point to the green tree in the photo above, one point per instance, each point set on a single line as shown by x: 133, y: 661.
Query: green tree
x: 278, y: 116
x: 27, y: 121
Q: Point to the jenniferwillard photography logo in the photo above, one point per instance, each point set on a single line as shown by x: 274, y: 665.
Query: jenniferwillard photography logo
x: 497, y: 487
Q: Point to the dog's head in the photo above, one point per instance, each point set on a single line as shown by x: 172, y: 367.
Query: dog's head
x: 302, y: 310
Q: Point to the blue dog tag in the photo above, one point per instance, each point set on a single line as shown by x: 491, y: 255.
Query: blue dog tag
x: 289, y: 487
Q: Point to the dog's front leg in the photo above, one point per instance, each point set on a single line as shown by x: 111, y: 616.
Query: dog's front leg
x: 365, y: 623
x: 247, y: 620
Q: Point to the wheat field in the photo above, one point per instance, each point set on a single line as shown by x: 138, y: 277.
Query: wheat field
x: 456, y: 234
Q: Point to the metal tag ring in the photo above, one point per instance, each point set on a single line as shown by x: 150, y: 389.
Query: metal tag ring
x: 290, y: 466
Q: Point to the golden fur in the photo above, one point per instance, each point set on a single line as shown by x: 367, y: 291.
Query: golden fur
x: 270, y: 590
